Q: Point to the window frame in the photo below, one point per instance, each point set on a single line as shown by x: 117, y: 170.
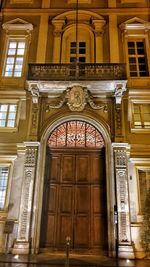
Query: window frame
x: 144, y: 169
x: 131, y: 116
x: 137, y: 39
x: 137, y: 56
x: 135, y: 29
x: 9, y: 102
x: 137, y: 164
x: 8, y: 40
x: 5, y: 166
x: 16, y: 29
x: 7, y: 161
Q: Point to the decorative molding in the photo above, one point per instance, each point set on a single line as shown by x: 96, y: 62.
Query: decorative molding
x: 17, y: 24
x: 76, y: 98
x: 135, y: 24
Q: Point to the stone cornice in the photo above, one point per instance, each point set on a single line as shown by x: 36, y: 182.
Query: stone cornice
x: 56, y: 88
x: 17, y: 25
x: 102, y: 11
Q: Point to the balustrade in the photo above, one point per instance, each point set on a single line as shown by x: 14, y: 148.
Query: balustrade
x: 86, y: 71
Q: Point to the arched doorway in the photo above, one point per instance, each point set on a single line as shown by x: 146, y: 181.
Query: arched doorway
x: 74, y: 202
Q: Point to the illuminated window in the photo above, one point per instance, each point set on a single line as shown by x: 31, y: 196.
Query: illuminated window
x: 81, y: 53
x: 144, y: 184
x: 8, y: 114
x: 75, y: 134
x: 141, y: 116
x: 137, y: 59
x: 4, y: 171
x: 14, y: 58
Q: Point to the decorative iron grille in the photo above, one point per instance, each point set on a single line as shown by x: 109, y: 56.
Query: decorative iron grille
x: 76, y: 134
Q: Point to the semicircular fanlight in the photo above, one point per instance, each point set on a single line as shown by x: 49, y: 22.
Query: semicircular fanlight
x: 76, y: 134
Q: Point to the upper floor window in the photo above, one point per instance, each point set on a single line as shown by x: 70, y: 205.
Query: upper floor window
x: 136, y: 46
x: 4, y: 173
x: 14, y: 58
x: 8, y: 115
x: 137, y: 58
x: 78, y: 51
x: 16, y: 45
x: 141, y: 116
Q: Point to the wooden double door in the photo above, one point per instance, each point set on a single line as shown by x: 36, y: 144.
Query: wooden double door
x: 74, y: 203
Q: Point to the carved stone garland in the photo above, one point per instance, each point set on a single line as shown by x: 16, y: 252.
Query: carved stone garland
x: 125, y: 249
x: 76, y: 98
x: 23, y: 238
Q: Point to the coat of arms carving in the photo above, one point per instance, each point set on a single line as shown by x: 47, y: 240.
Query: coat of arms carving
x: 76, y: 98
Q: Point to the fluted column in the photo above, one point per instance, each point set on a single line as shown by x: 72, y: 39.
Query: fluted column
x: 98, y: 24
x: 58, y: 24
x: 125, y: 245
x: 113, y: 37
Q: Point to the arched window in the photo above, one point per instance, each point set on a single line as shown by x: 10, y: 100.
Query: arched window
x: 76, y: 134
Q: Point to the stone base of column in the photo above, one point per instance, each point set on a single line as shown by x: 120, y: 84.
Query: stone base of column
x: 21, y: 247
x: 126, y: 252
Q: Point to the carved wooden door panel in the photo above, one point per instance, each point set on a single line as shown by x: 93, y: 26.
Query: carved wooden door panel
x: 75, y: 200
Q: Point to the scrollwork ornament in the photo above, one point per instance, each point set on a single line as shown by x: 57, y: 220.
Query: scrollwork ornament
x: 76, y: 98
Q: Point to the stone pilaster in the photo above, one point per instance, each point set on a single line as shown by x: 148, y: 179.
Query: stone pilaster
x: 42, y: 39
x: 125, y: 245
x: 112, y: 3
x: 99, y: 24
x: 22, y: 244
x: 46, y: 3
x: 58, y: 25
x: 113, y: 37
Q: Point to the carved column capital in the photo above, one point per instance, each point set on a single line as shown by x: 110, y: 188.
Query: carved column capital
x: 98, y: 26
x: 58, y: 27
x: 99, y: 33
